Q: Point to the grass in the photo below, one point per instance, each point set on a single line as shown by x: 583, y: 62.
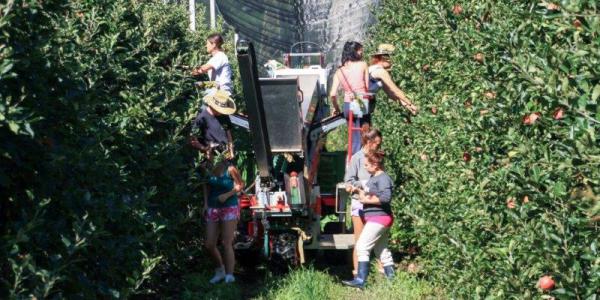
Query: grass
x: 196, y: 286
x: 307, y: 283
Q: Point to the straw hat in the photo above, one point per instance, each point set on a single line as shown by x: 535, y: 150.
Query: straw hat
x: 384, y: 49
x: 221, y: 102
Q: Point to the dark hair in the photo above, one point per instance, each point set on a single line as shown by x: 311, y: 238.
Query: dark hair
x: 216, y: 38
x: 350, y: 52
x: 368, y: 134
x: 375, y: 158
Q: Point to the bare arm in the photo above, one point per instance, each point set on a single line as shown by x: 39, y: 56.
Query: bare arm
x: 237, y: 178
x: 335, y: 85
x: 203, y: 69
x: 196, y: 144
x: 368, y: 199
x: 366, y: 76
x: 394, y: 92
x: 238, y: 184
x: 382, y: 193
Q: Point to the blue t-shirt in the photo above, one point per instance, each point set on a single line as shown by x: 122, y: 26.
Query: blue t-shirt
x: 211, y: 130
x: 219, y: 185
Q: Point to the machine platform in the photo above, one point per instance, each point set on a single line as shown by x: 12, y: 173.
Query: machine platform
x: 336, y: 241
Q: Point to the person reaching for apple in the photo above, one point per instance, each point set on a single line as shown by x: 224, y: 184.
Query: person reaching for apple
x: 379, y: 78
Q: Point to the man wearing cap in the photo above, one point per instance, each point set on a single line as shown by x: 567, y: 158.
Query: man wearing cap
x: 379, y: 77
x: 212, y: 127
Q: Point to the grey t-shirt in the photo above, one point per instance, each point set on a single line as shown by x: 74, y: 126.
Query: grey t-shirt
x: 356, y: 174
x: 381, y: 186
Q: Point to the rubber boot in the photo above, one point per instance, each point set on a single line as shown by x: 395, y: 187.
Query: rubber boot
x: 361, y: 277
x: 389, y: 271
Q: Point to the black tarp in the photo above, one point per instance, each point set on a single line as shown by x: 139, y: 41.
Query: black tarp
x: 274, y: 25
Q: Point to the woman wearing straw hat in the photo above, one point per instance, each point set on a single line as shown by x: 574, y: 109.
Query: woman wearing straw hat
x: 212, y: 127
x: 379, y: 77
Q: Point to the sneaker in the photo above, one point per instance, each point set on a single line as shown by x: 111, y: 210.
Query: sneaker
x: 229, y: 278
x: 219, y: 275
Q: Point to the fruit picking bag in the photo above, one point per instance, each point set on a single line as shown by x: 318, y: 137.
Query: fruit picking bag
x: 360, y: 105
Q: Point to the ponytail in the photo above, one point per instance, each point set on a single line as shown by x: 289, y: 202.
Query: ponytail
x: 217, y: 39
x: 368, y: 134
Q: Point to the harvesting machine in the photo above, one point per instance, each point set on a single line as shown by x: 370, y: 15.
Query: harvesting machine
x: 296, y: 182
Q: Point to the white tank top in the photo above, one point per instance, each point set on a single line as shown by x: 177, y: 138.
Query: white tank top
x: 374, y: 84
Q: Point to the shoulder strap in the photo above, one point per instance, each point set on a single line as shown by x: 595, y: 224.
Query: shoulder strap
x: 345, y: 79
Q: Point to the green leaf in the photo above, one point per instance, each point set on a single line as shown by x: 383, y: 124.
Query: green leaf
x: 65, y: 241
x: 596, y: 92
x: 14, y: 127
x: 6, y: 68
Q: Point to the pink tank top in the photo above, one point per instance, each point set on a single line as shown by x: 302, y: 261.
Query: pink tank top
x: 353, y: 81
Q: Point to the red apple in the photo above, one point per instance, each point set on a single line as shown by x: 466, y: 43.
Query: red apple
x: 490, y: 95
x: 467, y: 156
x: 558, y: 113
x: 434, y: 110
x: 457, y: 9
x: 577, y: 23
x: 510, y: 203
x: 553, y: 6
x: 546, y: 283
x: 479, y: 57
x: 412, y: 268
x: 531, y: 118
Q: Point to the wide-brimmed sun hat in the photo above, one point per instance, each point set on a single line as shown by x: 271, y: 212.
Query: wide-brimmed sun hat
x: 384, y: 49
x: 221, y: 102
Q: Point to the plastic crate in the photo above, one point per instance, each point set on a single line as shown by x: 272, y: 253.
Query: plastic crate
x: 332, y: 167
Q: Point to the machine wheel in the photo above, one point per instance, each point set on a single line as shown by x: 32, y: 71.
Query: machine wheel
x: 283, y: 252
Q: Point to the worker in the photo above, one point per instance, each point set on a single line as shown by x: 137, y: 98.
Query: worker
x: 379, y: 77
x: 217, y: 67
x: 353, y: 76
x: 356, y: 176
x: 222, y: 213
x: 376, y: 198
x: 211, y: 130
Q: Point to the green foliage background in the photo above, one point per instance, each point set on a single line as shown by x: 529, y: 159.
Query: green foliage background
x: 98, y: 197
x: 536, y: 59
x: 97, y: 189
